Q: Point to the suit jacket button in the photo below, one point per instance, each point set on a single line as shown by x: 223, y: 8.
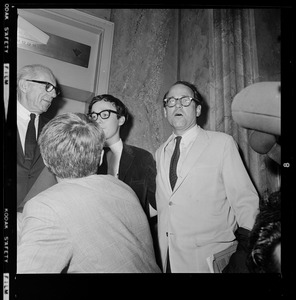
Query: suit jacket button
x: 170, y: 203
x: 167, y: 234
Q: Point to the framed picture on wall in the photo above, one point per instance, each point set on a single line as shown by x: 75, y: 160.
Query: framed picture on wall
x: 76, y: 46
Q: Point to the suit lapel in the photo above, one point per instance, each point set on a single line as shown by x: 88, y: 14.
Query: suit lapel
x: 20, y: 151
x: 126, y: 160
x: 41, y: 124
x: 164, y: 169
x: 193, y: 155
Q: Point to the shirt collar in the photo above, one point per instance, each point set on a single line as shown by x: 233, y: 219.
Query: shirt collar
x: 116, y: 147
x: 23, y: 112
x: 189, y: 135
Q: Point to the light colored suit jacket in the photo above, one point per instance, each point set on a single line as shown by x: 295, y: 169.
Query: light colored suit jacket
x: 213, y: 195
x: 45, y: 180
x: 87, y: 225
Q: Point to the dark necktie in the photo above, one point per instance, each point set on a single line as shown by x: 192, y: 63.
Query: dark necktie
x: 174, y: 162
x: 102, y: 169
x: 30, y: 141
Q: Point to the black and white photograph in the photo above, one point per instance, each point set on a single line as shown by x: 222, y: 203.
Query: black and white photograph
x: 144, y: 146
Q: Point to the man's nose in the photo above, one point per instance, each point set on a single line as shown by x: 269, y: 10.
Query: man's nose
x: 99, y: 120
x: 53, y: 93
x: 178, y: 103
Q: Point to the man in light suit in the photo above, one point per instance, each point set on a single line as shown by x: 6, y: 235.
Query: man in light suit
x: 210, y: 201
x: 86, y: 223
x: 36, y: 88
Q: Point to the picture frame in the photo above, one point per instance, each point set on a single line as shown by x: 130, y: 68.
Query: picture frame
x: 77, y: 82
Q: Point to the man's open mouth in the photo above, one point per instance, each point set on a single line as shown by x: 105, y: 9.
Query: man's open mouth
x: 178, y: 114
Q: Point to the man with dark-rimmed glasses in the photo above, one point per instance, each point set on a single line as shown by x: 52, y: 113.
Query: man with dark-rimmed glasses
x: 205, y: 198
x: 132, y: 165
x: 36, y: 88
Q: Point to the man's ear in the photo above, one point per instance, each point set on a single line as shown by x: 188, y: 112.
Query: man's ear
x: 23, y: 85
x: 121, y: 120
x: 165, y: 112
x: 198, y: 110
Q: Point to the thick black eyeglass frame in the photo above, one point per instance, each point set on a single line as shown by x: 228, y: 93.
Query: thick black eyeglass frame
x: 99, y: 114
x: 48, y: 86
x: 166, y: 100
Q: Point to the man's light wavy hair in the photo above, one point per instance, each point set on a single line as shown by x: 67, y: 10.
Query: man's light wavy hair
x: 71, y: 145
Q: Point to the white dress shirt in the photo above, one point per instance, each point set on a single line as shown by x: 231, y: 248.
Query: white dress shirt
x: 186, y: 142
x: 116, y: 150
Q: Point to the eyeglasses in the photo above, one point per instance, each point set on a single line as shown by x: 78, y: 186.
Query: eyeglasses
x: 48, y: 86
x: 104, y: 114
x: 185, y: 101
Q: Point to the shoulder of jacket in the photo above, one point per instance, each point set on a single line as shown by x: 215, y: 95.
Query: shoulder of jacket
x: 137, y: 150
x: 44, y: 118
x: 218, y: 135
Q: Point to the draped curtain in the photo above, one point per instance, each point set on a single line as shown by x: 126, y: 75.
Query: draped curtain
x: 233, y: 66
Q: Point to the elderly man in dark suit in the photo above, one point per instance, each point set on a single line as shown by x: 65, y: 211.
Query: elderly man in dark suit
x: 36, y: 88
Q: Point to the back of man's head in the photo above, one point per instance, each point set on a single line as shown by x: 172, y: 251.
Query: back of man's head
x: 71, y: 145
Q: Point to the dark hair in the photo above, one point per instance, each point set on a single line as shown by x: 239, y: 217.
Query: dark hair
x: 120, y: 107
x: 265, y: 236
x: 196, y: 94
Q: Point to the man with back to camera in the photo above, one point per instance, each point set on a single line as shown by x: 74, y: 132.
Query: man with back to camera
x: 36, y: 88
x: 86, y: 223
x: 205, y: 198
x: 133, y: 165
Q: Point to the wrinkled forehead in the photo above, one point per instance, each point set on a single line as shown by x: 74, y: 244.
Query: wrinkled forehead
x: 45, y: 76
x: 180, y: 90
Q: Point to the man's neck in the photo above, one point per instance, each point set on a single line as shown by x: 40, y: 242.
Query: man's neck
x: 110, y: 143
x: 183, y: 132
x: 117, y: 146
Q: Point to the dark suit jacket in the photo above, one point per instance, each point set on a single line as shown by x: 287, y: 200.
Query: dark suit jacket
x: 27, y: 173
x: 138, y: 170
